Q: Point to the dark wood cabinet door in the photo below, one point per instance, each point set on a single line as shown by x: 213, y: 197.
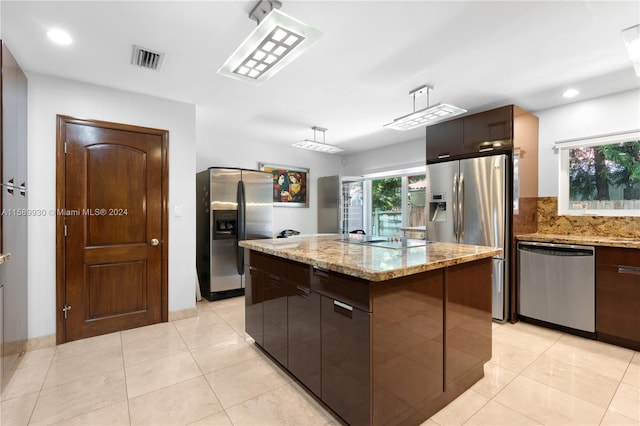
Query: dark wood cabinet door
x: 468, y: 318
x: 304, y: 336
x: 489, y: 130
x: 408, y: 347
x: 346, y: 363
x: 275, y: 317
x: 618, y: 296
x: 253, y: 304
x: 444, y: 140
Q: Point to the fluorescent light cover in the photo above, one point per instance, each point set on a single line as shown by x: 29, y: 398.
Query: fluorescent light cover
x: 275, y: 42
x: 570, y: 93
x: 631, y: 38
x: 317, y: 146
x: 59, y: 36
x: 425, y: 117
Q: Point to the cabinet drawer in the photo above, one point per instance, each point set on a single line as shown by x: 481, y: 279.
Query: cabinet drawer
x: 266, y: 263
x: 297, y: 273
x: 617, y: 256
x: 346, y: 289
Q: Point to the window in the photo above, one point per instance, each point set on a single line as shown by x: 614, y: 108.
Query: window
x: 398, y: 201
x: 600, y: 176
x: 386, y: 204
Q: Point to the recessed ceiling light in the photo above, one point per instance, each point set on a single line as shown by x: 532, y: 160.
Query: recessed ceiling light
x: 570, y: 93
x: 59, y: 36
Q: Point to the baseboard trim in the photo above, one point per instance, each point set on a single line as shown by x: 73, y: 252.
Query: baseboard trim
x: 185, y: 313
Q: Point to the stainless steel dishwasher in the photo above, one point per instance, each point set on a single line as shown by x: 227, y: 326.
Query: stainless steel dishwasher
x: 557, y: 284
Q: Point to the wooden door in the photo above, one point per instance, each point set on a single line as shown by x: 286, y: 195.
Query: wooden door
x: 112, y: 227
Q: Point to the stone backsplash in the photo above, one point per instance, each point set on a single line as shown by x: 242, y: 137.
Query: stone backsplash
x: 605, y: 226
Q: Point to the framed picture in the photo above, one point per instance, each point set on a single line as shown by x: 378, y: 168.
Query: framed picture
x: 290, y: 185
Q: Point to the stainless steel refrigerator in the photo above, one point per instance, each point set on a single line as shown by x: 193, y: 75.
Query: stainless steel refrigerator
x: 340, y: 204
x: 468, y: 204
x: 233, y: 205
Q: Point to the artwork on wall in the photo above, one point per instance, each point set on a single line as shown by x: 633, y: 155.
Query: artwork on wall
x: 290, y: 188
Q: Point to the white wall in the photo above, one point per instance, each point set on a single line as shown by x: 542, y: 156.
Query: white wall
x: 608, y: 114
x: 49, y: 96
x: 247, y: 154
x: 392, y: 157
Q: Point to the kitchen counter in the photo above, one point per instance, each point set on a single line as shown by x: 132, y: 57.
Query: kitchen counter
x: 4, y: 257
x: 368, y: 262
x: 383, y: 331
x: 582, y: 240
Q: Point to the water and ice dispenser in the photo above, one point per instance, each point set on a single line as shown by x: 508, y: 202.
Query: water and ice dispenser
x: 437, y: 208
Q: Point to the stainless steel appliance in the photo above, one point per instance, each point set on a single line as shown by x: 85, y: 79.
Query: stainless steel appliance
x: 234, y: 204
x: 468, y: 204
x: 557, y: 284
x: 340, y: 204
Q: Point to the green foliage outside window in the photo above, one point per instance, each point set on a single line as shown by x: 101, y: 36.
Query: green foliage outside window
x: 605, y: 172
x: 387, y: 194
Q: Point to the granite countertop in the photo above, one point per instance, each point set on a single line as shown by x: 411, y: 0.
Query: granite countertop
x: 4, y: 257
x: 582, y: 240
x: 367, y: 262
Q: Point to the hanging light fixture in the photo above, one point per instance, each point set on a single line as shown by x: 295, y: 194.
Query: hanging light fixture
x: 631, y: 38
x: 277, y: 40
x: 425, y: 116
x: 314, y: 145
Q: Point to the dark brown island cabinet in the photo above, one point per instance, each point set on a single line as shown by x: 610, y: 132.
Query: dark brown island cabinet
x: 375, y: 352
x: 618, y: 296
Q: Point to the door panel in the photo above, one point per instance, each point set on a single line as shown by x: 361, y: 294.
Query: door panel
x: 114, y: 198
x: 441, y: 197
x: 259, y: 202
x: 484, y: 208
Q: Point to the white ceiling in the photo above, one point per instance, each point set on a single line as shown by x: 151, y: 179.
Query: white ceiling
x: 476, y: 55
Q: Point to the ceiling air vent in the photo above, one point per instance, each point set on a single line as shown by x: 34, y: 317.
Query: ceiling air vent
x: 146, y: 58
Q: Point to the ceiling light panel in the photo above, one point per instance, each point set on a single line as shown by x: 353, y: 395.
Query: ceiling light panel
x: 317, y: 146
x: 314, y: 145
x: 425, y: 117
x: 276, y: 41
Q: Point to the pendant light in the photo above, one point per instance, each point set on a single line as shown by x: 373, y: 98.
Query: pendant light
x: 425, y: 116
x: 277, y: 40
x: 314, y: 145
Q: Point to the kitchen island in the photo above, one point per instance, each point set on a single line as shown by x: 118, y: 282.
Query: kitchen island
x: 382, y: 332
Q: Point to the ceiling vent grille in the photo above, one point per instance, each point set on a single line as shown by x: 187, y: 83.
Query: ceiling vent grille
x: 146, y: 58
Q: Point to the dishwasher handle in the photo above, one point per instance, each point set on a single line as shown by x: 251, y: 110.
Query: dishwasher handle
x: 556, y: 250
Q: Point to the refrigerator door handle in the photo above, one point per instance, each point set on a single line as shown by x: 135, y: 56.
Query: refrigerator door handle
x: 461, y: 207
x: 454, y: 205
x: 242, y: 205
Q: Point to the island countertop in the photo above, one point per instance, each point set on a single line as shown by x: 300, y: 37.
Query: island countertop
x: 371, y: 263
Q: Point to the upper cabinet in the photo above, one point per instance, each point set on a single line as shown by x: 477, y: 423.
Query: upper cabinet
x: 488, y: 130
x: 445, y: 140
x: 491, y: 130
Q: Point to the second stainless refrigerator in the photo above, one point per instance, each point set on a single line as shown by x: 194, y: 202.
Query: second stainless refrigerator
x: 468, y: 204
x: 234, y: 205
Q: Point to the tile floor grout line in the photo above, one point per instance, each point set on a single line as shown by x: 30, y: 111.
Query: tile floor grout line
x: 35, y: 404
x: 126, y: 388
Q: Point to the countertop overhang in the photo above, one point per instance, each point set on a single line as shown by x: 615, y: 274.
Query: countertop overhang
x: 582, y: 240
x: 367, y: 262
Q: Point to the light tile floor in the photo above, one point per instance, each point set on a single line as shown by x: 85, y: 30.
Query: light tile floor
x: 201, y: 371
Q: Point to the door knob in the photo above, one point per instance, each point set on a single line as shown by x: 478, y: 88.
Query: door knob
x: 155, y: 242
